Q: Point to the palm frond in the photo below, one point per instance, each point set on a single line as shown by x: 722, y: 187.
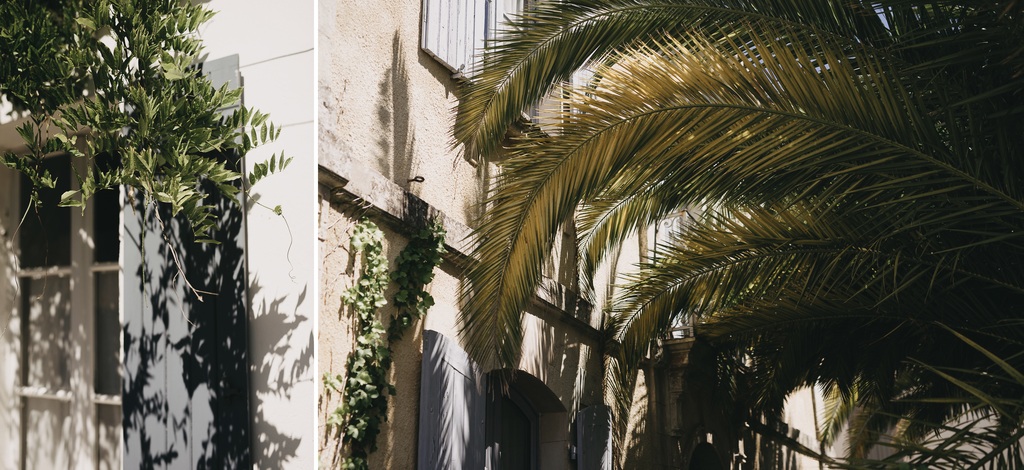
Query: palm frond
x: 751, y: 137
x: 858, y: 163
x: 553, y: 40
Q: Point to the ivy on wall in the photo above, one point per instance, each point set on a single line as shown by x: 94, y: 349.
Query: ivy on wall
x: 365, y: 388
x: 415, y: 270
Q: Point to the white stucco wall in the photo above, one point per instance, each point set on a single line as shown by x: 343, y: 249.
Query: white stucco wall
x: 274, y: 41
x: 8, y: 290
x: 9, y: 339
x: 802, y: 413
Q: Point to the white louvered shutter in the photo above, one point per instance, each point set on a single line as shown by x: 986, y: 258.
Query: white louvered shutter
x: 455, y: 31
x: 452, y: 31
x: 499, y: 13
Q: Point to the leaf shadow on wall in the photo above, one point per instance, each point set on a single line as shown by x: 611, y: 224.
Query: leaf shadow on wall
x: 275, y: 373
x: 397, y: 140
x: 187, y: 370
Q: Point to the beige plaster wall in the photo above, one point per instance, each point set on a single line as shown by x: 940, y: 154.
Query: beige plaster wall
x: 339, y: 271
x: 567, y: 363
x: 386, y: 107
x: 386, y: 104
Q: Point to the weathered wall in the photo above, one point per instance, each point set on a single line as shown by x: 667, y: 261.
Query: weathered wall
x: 385, y: 113
x: 561, y: 356
x: 386, y: 104
x: 384, y: 110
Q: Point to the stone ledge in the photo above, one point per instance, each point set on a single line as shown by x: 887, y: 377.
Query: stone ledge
x: 365, y: 189
x: 371, y: 192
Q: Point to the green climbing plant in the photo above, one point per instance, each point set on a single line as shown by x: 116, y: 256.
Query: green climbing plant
x: 365, y: 388
x: 415, y: 270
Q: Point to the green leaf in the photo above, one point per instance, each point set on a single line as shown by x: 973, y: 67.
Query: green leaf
x: 67, y: 199
x: 86, y: 23
x: 172, y: 71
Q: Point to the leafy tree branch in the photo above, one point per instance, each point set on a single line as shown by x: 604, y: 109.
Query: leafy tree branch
x: 115, y: 83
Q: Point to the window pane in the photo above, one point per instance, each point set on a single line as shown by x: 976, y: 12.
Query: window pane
x: 45, y: 236
x: 47, y: 422
x: 108, y: 330
x: 46, y: 311
x: 106, y: 224
x: 108, y: 442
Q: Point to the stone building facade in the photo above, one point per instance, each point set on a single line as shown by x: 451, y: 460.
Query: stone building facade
x: 389, y: 79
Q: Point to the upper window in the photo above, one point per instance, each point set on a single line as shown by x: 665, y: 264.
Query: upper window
x: 45, y: 238
x: 455, y: 31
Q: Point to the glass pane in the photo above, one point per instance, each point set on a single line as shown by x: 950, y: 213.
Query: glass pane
x: 47, y: 422
x: 106, y: 225
x: 45, y: 236
x: 46, y: 311
x: 108, y: 331
x: 108, y: 440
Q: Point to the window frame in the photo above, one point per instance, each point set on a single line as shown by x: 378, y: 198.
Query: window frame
x: 455, y: 32
x: 81, y: 428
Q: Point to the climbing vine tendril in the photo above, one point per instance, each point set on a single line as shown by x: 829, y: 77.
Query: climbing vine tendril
x: 365, y: 388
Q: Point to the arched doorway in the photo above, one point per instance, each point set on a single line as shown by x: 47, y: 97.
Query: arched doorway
x: 517, y: 414
x: 512, y: 431
x: 704, y: 457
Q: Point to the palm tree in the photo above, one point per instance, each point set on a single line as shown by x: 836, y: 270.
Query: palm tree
x: 858, y: 165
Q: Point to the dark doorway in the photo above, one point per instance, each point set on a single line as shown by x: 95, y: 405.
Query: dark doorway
x: 704, y: 457
x: 513, y: 432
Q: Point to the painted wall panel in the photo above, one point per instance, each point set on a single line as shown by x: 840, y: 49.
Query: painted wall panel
x: 10, y: 351
x: 185, y: 389
x: 274, y: 41
x: 259, y: 30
